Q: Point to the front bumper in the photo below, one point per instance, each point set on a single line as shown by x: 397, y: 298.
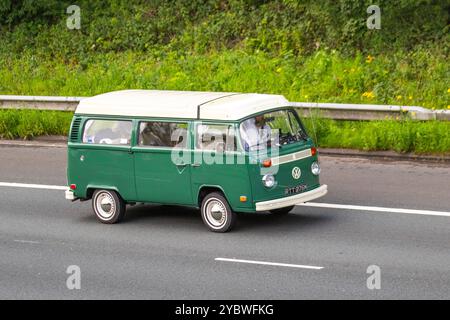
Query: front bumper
x: 292, y: 200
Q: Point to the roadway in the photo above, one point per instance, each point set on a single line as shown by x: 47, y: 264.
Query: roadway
x: 164, y: 252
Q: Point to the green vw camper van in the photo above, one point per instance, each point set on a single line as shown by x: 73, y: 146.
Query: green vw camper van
x: 221, y: 152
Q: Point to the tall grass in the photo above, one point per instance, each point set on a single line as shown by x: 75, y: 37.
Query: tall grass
x: 401, y: 136
x: 27, y: 124
x: 418, y: 78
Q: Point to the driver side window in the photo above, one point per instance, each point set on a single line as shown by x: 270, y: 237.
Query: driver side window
x: 216, y: 137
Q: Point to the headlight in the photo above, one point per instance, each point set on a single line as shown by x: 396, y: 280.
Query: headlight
x: 315, y: 168
x: 268, y: 181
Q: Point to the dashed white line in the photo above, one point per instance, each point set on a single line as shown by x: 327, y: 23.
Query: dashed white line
x: 375, y: 209
x: 277, y: 264
x: 31, y: 186
x: 27, y: 241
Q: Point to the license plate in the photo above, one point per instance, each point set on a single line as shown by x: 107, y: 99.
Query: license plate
x: 296, y: 189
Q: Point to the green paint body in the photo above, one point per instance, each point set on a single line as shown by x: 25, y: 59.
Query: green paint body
x: 148, y: 174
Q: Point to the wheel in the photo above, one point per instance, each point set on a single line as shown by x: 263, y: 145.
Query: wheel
x: 282, y: 211
x: 108, y: 206
x: 217, y: 213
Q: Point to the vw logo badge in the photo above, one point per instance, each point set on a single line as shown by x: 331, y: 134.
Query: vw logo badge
x: 296, y: 173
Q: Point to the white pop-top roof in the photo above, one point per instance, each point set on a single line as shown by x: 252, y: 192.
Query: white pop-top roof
x: 180, y: 104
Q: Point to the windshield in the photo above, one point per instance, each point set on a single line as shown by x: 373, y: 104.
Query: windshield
x: 276, y: 128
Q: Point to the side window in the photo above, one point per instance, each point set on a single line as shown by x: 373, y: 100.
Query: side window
x: 163, y: 134
x: 216, y: 137
x: 114, y: 132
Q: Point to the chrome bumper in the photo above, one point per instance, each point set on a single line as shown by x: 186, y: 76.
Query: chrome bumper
x: 70, y: 195
x: 292, y: 200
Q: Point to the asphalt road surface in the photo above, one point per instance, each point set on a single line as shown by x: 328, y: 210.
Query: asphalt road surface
x: 162, y: 252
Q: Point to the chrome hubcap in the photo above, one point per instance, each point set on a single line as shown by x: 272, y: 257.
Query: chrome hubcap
x: 216, y: 213
x: 105, y: 205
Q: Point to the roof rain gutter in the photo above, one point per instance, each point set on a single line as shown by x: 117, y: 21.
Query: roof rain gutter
x: 206, y: 102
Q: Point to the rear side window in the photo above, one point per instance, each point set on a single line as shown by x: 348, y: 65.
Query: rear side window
x: 163, y: 134
x: 113, y: 132
x: 216, y: 137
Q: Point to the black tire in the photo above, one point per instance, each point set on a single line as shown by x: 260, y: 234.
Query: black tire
x: 282, y: 211
x: 112, y: 200
x: 220, y: 220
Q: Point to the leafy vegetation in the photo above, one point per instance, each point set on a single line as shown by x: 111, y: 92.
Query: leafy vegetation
x: 274, y: 26
x: 309, y: 50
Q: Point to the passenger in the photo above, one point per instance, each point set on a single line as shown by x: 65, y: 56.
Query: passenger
x: 157, y: 134
x: 116, y: 135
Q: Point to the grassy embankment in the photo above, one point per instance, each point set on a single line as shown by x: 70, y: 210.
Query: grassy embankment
x: 309, y: 51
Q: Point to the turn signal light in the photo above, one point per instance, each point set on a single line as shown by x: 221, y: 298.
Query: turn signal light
x: 313, y: 151
x: 243, y: 198
x: 267, y: 163
x: 73, y: 186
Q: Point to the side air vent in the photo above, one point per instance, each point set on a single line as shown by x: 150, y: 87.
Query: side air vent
x: 75, y: 130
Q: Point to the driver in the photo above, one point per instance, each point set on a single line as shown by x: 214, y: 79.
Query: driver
x: 255, y: 132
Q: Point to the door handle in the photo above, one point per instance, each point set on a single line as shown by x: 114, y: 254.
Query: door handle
x: 195, y: 165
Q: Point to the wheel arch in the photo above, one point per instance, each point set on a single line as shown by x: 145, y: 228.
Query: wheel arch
x: 90, y: 189
x: 204, y: 190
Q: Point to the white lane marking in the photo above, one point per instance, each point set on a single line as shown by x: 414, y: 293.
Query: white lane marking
x: 31, y: 186
x: 269, y: 263
x: 307, y: 204
x: 27, y: 241
x: 376, y: 209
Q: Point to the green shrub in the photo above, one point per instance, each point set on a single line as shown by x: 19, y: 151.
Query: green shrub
x: 273, y: 26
